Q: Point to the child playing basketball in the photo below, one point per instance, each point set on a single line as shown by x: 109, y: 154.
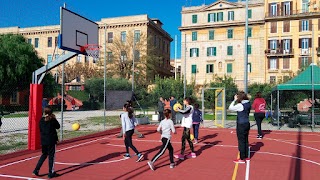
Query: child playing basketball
x: 128, y: 123
x: 49, y: 139
x: 186, y: 123
x: 165, y: 128
x: 196, y: 120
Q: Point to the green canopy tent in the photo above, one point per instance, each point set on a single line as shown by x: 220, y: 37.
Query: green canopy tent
x: 309, y: 79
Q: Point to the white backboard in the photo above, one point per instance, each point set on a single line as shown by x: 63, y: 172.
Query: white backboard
x: 76, y: 31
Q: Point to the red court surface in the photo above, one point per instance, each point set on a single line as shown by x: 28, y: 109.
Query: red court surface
x: 280, y: 155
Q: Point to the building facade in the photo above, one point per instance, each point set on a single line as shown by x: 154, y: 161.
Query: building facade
x: 213, y: 41
x: 290, y: 45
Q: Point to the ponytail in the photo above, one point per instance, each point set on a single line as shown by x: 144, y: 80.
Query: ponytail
x: 129, y: 109
x: 48, y: 116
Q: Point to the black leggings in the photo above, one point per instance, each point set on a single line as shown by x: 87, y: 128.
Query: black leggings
x: 243, y: 139
x: 47, y: 150
x: 128, y: 141
x: 165, y: 144
x: 259, y: 117
x: 186, y: 136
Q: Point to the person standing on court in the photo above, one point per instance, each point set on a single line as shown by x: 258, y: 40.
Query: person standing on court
x: 242, y: 106
x: 160, y: 109
x: 128, y: 123
x: 173, y: 101
x: 259, y: 106
x: 165, y: 128
x: 73, y: 103
x: 49, y: 138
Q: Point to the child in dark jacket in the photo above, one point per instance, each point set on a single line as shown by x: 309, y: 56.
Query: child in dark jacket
x: 49, y: 139
x: 196, y: 120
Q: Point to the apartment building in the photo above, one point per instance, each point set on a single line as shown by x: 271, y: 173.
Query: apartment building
x: 213, y: 41
x: 44, y: 40
x: 291, y: 45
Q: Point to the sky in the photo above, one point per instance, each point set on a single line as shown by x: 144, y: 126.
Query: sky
x: 23, y: 13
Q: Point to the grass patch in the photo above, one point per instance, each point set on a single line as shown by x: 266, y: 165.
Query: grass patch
x: 230, y: 117
x: 110, y: 120
x: 11, y: 146
x: 16, y: 115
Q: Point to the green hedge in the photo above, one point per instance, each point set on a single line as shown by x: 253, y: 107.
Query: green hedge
x: 81, y: 95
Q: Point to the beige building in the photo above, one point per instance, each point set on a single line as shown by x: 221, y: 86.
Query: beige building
x: 176, y: 63
x: 213, y: 41
x: 44, y: 40
x: 290, y: 43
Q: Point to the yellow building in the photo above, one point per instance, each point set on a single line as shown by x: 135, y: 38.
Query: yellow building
x: 44, y: 40
x: 213, y: 41
x: 290, y: 43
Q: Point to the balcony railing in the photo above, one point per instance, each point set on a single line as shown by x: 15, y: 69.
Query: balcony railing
x: 279, y: 52
x: 291, y: 13
x: 305, y: 52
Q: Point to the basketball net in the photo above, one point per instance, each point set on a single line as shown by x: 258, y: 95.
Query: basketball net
x: 92, y: 50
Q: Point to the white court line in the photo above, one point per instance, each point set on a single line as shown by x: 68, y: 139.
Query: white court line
x: 83, y: 164
x: 308, y: 147
x: 63, y: 149
x: 247, y: 170
x: 19, y: 177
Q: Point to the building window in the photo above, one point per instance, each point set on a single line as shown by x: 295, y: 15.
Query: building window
x: 229, y: 68
x: 286, y: 8
x: 273, y: 79
x: 209, y: 68
x: 273, y: 9
x: 229, y: 50
x: 110, y: 37
x: 305, y: 43
x: 220, y: 16
x: 304, y: 25
x: 36, y: 42
x: 249, y: 49
x: 211, y: 35
x: 136, y: 36
x: 79, y: 58
x: 49, y: 58
x: 286, y: 63
x: 230, y: 33
x: 109, y: 56
x: 212, y: 17
x: 230, y: 15
x: 286, y: 45
x: 136, y: 55
x: 304, y: 62
x: 29, y: 41
x: 194, y: 18
x: 194, y: 35
x: 193, y: 69
x: 194, y: 52
x: 249, y: 13
x: 273, y: 44
x: 305, y: 6
x: 273, y: 64
x: 123, y: 36
x: 286, y: 26
x: 14, y: 97
x: 49, y: 41
x: 211, y: 51
x: 273, y: 27
x: 249, y: 67
x: 123, y: 56
x: 250, y: 32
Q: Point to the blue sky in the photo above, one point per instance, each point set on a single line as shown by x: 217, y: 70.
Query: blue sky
x: 23, y: 13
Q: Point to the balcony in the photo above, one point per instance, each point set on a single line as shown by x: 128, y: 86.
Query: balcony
x: 292, y: 13
x: 279, y: 52
x: 305, y: 52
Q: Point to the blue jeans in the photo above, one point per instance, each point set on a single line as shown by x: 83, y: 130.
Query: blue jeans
x: 196, y: 130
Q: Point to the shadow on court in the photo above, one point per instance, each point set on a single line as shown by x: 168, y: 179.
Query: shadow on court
x: 255, y: 147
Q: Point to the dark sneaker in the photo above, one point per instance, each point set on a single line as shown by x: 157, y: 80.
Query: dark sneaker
x: 126, y: 156
x: 141, y: 136
x: 259, y: 136
x: 52, y: 175
x: 151, y: 165
x: 140, y: 156
x: 35, y: 172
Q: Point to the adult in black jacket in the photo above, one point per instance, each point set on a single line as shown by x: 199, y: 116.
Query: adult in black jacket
x: 49, y: 139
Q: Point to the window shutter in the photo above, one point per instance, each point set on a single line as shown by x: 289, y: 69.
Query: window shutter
x: 310, y: 42
x: 221, y: 16
x: 279, y: 44
x: 214, y: 17
x: 300, y: 26
x: 282, y: 10
x: 310, y: 25
x: 197, y: 52
x: 269, y: 44
x: 300, y: 42
x: 269, y: 63
x: 300, y: 62
x: 207, y: 68
x: 208, y: 17
x: 278, y: 9
x: 208, y: 51
x: 290, y: 44
x: 190, y: 52
x: 291, y: 8
x: 318, y: 24
x: 318, y: 42
x: 214, y: 51
x: 278, y: 63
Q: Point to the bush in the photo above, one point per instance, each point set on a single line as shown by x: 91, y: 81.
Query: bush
x: 91, y: 105
x: 81, y: 95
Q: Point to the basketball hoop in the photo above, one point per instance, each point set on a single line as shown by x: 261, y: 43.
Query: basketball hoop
x: 92, y: 50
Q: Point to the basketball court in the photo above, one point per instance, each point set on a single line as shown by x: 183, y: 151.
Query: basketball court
x: 280, y: 155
